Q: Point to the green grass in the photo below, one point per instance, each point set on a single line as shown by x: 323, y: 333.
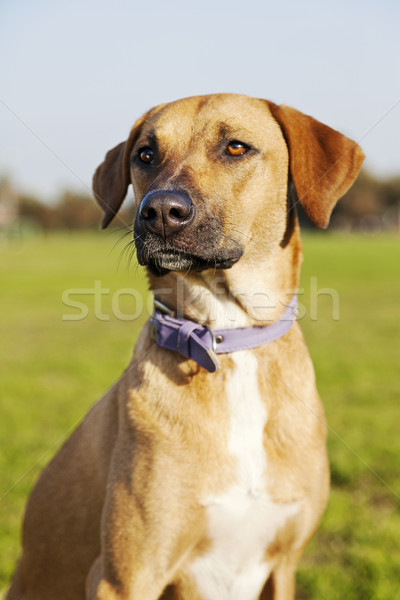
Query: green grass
x: 52, y: 370
x: 356, y: 553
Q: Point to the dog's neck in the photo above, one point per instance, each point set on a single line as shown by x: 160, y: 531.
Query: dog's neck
x: 241, y: 296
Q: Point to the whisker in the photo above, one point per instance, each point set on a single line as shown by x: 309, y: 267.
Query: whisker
x: 126, y: 250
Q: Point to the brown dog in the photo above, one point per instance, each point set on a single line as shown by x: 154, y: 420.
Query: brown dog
x: 180, y: 483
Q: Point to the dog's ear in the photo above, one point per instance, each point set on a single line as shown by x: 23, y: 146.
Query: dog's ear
x: 112, y: 177
x: 323, y: 163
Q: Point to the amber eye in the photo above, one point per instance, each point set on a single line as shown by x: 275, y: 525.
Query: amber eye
x: 236, y: 148
x: 146, y: 155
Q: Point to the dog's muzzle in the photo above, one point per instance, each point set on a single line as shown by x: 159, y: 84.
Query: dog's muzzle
x: 172, y: 233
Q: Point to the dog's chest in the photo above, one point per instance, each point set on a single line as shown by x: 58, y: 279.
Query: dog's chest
x: 243, y: 521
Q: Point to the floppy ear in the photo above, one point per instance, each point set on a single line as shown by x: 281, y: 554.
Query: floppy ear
x: 112, y: 177
x: 323, y: 163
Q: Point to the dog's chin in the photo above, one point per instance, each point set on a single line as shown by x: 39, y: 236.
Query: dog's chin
x: 162, y: 262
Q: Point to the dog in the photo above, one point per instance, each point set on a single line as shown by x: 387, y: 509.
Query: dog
x: 203, y: 473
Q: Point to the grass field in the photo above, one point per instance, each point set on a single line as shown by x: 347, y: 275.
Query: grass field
x: 52, y: 370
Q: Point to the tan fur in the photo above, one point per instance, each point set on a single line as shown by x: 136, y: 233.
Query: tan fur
x: 121, y: 511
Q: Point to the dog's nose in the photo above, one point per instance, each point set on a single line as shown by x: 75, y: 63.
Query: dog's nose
x: 166, y: 212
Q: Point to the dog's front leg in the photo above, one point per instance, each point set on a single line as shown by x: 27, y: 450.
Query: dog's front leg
x: 150, y: 521
x: 100, y: 587
x: 140, y: 584
x: 281, y: 583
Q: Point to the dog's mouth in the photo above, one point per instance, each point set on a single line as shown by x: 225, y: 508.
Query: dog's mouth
x: 161, y: 257
x: 162, y: 262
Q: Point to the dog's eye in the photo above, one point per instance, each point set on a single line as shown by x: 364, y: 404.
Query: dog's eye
x: 146, y: 155
x: 236, y: 148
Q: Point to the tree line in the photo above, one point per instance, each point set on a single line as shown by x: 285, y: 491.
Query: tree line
x: 372, y: 204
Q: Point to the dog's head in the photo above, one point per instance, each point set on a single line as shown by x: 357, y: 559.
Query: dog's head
x: 210, y: 174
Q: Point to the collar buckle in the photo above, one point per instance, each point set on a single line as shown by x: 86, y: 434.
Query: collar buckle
x: 212, y: 352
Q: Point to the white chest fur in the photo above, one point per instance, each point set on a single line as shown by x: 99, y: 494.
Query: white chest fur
x: 243, y: 521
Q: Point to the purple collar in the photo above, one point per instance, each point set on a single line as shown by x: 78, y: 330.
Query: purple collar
x: 202, y: 344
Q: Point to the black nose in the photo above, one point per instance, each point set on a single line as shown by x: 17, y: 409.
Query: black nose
x: 166, y: 212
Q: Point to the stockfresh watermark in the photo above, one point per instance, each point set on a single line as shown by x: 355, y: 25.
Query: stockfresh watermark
x: 129, y: 304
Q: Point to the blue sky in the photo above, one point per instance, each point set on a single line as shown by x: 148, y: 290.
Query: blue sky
x: 75, y: 75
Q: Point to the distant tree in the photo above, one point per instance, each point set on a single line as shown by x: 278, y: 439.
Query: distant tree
x: 367, y: 202
x: 9, y: 208
x: 39, y: 214
x: 77, y: 211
